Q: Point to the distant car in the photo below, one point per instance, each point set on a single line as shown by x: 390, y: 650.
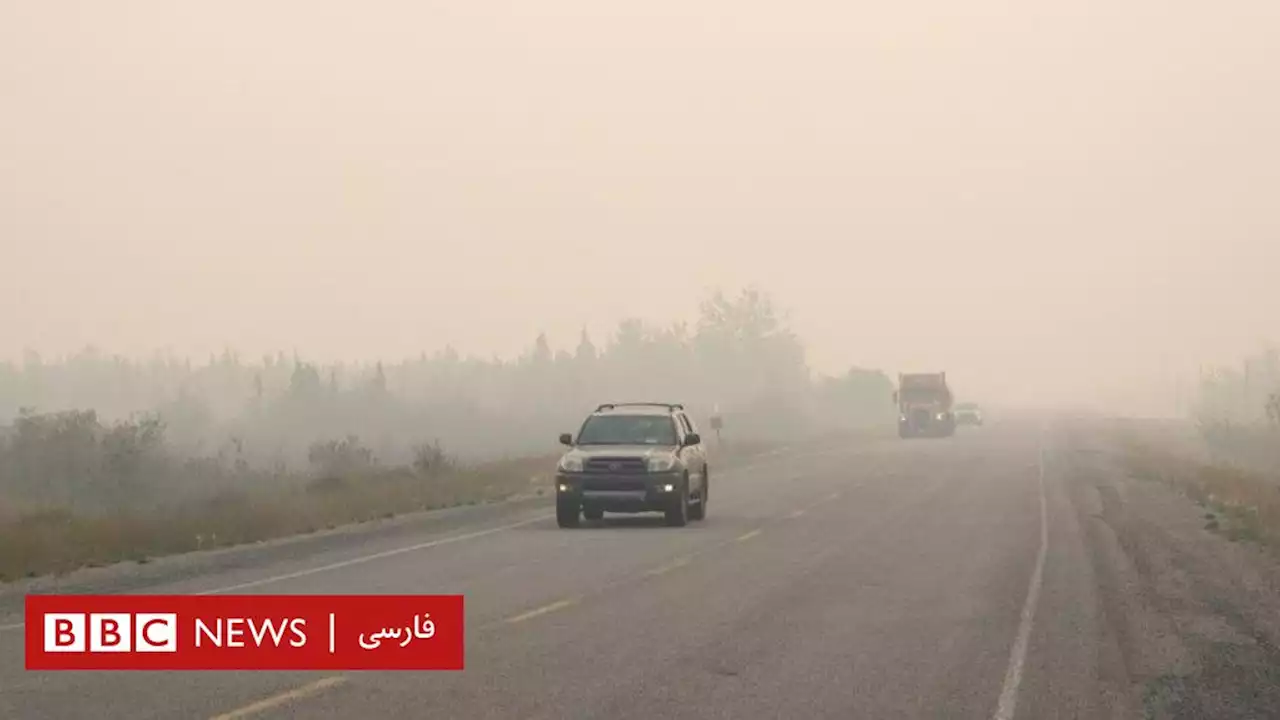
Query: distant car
x: 968, y: 414
x: 633, y: 458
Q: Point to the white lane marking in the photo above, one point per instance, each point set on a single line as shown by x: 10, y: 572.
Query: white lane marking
x: 283, y: 698
x: 1013, y: 676
x: 374, y: 556
x: 557, y: 605
x: 378, y: 556
x: 352, y: 561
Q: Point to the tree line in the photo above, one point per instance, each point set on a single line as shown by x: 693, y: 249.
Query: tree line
x: 133, y: 425
x: 1244, y: 394
x: 1237, y: 411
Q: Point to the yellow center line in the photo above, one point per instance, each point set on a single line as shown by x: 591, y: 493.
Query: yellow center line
x: 677, y: 563
x: 749, y: 535
x: 285, y: 697
x: 558, y: 605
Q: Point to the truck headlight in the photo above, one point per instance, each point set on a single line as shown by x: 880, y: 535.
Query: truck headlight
x: 662, y: 463
x: 571, y: 463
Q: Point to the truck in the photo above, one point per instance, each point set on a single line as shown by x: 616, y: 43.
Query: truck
x: 924, y: 405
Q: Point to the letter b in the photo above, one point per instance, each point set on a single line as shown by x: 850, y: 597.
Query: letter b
x: 110, y: 632
x: 64, y: 632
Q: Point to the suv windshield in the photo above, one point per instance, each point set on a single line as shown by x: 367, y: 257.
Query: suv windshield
x: 628, y: 430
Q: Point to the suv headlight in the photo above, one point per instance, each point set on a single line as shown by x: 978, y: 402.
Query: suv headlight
x: 662, y: 463
x: 571, y: 463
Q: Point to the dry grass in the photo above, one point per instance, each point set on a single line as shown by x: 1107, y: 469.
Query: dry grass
x: 1251, y: 447
x: 57, y: 540
x: 1242, y: 504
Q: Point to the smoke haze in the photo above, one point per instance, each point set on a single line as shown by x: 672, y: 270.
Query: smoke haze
x: 1054, y: 202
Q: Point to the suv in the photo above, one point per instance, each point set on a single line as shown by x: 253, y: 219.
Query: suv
x: 968, y: 414
x: 633, y: 458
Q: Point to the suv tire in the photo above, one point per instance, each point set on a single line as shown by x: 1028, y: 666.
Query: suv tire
x: 699, y: 511
x: 678, y: 514
x: 567, y: 514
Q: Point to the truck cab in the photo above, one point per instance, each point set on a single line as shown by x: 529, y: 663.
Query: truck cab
x: 924, y: 405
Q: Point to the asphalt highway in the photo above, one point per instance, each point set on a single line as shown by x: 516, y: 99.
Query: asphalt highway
x: 874, y: 579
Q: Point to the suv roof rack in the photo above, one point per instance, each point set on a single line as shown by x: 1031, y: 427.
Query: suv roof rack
x: 670, y: 406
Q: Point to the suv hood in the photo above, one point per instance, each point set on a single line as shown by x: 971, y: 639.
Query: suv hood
x: 627, y: 451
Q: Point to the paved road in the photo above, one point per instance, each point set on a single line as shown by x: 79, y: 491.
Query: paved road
x: 930, y: 578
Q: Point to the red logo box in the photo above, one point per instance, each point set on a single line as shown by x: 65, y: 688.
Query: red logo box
x: 244, y: 632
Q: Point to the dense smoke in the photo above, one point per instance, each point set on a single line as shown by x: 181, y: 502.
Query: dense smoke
x: 120, y: 426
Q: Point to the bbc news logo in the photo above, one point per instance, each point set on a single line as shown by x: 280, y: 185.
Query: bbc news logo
x: 244, y: 632
x: 110, y: 632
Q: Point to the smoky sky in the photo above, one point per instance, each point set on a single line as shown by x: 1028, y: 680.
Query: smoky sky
x: 1052, y: 201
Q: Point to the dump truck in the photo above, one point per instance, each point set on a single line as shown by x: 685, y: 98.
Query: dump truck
x: 924, y: 405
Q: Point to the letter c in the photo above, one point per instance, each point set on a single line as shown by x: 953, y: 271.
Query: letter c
x: 146, y: 635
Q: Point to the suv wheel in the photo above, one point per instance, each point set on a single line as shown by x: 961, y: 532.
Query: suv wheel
x: 678, y: 513
x: 567, y: 514
x: 699, y: 511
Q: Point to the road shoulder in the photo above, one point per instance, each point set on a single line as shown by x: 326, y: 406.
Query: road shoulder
x: 1193, y: 617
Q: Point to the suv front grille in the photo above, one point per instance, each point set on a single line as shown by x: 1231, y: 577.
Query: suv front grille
x: 616, y: 465
x: 614, y: 485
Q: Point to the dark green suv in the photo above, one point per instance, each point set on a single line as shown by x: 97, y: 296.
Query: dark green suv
x: 633, y: 458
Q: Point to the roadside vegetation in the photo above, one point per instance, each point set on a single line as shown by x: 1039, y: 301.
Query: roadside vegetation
x: 1234, y: 473
x: 1237, y: 410
x: 345, y: 485
x: 1240, y: 504
x: 1233, y: 470
x: 104, y: 459
x: 59, y: 538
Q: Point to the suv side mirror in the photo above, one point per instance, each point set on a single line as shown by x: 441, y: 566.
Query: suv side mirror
x: 692, y: 439
x: 566, y: 439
